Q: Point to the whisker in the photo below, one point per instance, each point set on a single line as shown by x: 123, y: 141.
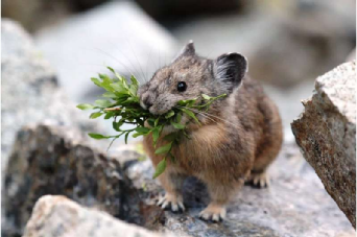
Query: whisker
x: 210, y: 115
x: 127, y: 58
x: 117, y: 60
x: 137, y: 59
x: 207, y: 117
x: 147, y: 65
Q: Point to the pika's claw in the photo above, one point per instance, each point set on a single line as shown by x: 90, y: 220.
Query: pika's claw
x: 171, y: 202
x: 213, y: 213
x: 260, y: 180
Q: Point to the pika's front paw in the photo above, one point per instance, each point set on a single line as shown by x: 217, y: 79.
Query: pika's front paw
x: 214, y: 213
x: 171, y: 202
x: 259, y: 180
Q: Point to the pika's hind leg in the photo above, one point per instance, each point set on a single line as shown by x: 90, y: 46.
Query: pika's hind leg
x: 269, y: 145
x: 258, y: 179
x: 220, y: 194
x: 172, y: 183
x: 265, y: 156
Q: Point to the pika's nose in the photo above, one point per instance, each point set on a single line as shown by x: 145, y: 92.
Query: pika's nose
x: 147, y: 103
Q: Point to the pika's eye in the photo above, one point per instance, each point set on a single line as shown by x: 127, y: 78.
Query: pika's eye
x: 181, y: 86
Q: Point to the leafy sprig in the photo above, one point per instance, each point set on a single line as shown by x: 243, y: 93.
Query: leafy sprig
x: 122, y: 104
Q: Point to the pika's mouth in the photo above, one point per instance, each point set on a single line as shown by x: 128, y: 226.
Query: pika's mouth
x: 156, y: 110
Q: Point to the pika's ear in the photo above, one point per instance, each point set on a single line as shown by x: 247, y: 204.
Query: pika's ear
x: 230, y: 69
x: 188, y: 50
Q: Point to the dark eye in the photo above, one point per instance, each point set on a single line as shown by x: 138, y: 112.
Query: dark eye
x: 181, y: 86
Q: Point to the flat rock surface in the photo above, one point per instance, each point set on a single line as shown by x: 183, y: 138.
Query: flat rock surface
x: 57, y: 216
x: 296, y: 204
x: 326, y: 133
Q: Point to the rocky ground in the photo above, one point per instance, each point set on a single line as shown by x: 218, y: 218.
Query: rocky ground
x: 95, y: 192
x: 56, y: 160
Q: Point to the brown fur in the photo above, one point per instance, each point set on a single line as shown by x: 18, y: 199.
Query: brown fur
x: 237, y: 144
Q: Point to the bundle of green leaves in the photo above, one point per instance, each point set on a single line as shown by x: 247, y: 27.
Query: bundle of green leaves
x: 122, y: 104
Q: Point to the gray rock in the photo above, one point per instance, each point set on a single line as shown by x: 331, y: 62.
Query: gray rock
x: 314, y: 16
x: 326, y: 133
x: 117, y: 34
x: 56, y: 216
x: 351, y: 56
x: 43, y: 13
x: 58, y: 160
x: 296, y: 204
x: 38, y: 14
x: 29, y: 90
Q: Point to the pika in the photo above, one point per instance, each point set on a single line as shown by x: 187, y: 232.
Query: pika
x: 237, y: 138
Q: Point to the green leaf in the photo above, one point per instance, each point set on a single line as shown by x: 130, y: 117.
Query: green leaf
x: 187, y: 103
x: 206, y: 97
x: 103, y: 103
x: 157, y: 121
x: 134, y: 81
x: 109, y: 94
x: 160, y: 168
x: 118, y: 87
x: 155, y: 134
x: 177, y: 125
x: 137, y: 135
x: 134, y: 85
x: 126, y: 137
x: 142, y: 130
x: 117, y: 125
x: 178, y: 117
x: 163, y: 149
x: 106, y: 83
x: 95, y: 115
x: 115, y: 73
x: 109, y: 115
x: 171, y: 137
x: 96, y: 81
x: 151, y: 122
x: 98, y: 136
x: 190, y: 114
x: 169, y: 114
x: 85, y: 106
x: 172, y: 158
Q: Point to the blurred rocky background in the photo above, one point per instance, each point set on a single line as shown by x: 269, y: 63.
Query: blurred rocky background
x: 50, y: 49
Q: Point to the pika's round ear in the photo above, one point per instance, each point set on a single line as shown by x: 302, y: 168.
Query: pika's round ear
x: 230, y: 69
x: 188, y: 50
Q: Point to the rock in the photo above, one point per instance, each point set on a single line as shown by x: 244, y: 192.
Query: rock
x: 38, y: 14
x: 314, y: 16
x: 30, y: 91
x: 117, y: 34
x: 326, y: 133
x: 55, y: 160
x: 42, y: 13
x: 58, y: 160
x: 56, y: 216
x: 351, y: 56
x: 296, y: 204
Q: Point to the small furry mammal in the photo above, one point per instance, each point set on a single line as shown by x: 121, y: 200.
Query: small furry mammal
x: 238, y: 138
